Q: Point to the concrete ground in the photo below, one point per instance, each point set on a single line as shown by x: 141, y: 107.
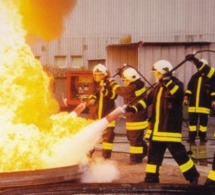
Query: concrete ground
x: 131, y: 176
x: 202, y: 154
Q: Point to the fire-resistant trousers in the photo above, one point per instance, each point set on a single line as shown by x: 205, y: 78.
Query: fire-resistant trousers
x: 155, y: 158
x: 107, y: 142
x: 193, y: 126
x: 138, y: 146
x: 211, y: 176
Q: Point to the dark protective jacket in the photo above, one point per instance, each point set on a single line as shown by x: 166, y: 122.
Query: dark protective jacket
x: 210, y: 73
x: 206, y: 69
x: 165, y: 122
x: 200, y: 92
x: 133, y: 93
x: 105, y: 97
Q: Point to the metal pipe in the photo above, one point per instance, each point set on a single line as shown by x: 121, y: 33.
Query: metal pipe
x: 78, y: 109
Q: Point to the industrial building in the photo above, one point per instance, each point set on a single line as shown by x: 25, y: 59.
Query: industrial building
x: 114, y: 32
x: 45, y: 147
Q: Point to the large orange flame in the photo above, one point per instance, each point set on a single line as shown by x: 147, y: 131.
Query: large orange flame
x: 31, y: 126
x: 44, y: 18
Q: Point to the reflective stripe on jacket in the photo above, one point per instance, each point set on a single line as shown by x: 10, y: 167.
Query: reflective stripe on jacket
x: 200, y: 93
x: 165, y: 122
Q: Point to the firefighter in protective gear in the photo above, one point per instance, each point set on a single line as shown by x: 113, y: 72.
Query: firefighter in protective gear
x: 136, y: 123
x: 165, y: 125
x: 104, y: 98
x: 199, y: 96
x: 210, y: 74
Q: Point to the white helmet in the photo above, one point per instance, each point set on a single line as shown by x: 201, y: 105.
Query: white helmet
x: 130, y: 74
x: 100, y: 69
x: 204, y: 61
x: 162, y: 66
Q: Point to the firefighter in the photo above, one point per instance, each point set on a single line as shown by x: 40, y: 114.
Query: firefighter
x: 136, y: 123
x: 104, y: 98
x: 210, y: 73
x: 198, y: 96
x: 165, y: 125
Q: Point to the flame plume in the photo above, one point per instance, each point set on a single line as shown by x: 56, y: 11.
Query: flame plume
x: 44, y: 18
x: 31, y: 126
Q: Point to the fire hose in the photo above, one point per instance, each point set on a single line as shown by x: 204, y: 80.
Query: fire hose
x: 176, y: 67
x: 120, y: 110
x: 127, y: 65
x: 78, y: 109
x: 204, y: 50
x: 155, y: 84
x: 82, y: 105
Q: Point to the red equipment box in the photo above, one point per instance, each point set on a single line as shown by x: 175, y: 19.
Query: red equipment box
x: 79, y: 85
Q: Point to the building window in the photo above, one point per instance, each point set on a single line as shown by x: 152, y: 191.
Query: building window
x: 38, y: 57
x: 60, y: 61
x: 77, y: 62
x: 92, y: 63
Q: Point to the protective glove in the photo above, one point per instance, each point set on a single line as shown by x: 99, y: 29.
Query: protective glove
x: 213, y: 104
x: 102, y: 89
x: 110, y: 79
x: 65, y: 101
x: 190, y: 57
x: 130, y: 109
x: 185, y: 101
x: 91, y: 102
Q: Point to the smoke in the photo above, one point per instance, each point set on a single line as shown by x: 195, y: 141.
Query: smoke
x: 74, y: 150
x: 44, y: 18
x: 100, y: 171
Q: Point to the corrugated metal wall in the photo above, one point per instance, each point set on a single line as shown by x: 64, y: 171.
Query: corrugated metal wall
x: 94, y: 24
x: 143, y: 56
x: 175, y: 53
x: 152, y: 20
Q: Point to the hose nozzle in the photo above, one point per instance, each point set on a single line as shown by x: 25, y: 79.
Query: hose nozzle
x: 78, y: 109
x: 114, y: 114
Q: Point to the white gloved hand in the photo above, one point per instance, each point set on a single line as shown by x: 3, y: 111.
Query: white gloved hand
x: 65, y: 101
x: 102, y: 89
x: 185, y: 101
x: 124, y: 106
x: 110, y: 79
x: 213, y: 104
x: 91, y: 102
